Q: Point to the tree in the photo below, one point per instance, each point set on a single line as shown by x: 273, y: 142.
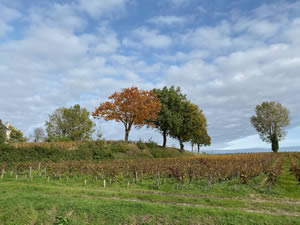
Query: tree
x: 201, y: 138
x: 2, y: 133
x: 132, y: 107
x: 72, y: 123
x: 16, y: 135
x: 170, y: 100
x: 189, y: 119
x: 269, y: 120
x: 38, y: 134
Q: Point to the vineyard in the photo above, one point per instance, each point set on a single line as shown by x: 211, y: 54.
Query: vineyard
x: 185, y: 170
x: 260, y: 188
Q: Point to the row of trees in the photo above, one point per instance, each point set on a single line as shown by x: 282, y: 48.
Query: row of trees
x: 167, y: 110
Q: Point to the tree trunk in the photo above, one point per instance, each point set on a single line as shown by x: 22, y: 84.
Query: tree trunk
x: 198, y: 148
x: 126, y: 135
x: 181, y: 145
x: 164, y: 139
x: 275, y: 143
x: 192, y: 147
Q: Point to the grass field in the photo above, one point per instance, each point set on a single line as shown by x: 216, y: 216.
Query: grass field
x: 83, y: 201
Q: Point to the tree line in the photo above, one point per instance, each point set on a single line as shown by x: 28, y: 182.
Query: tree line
x: 167, y: 110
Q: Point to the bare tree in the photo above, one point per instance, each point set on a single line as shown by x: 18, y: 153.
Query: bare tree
x: 38, y: 134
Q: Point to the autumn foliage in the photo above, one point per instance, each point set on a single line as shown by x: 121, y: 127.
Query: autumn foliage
x: 132, y: 107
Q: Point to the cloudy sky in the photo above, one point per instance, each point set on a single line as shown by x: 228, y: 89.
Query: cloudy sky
x: 227, y: 56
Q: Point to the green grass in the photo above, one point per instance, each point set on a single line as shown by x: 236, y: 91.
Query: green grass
x: 60, y: 202
x: 41, y: 204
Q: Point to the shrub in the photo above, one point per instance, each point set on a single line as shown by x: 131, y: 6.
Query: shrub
x: 141, y: 145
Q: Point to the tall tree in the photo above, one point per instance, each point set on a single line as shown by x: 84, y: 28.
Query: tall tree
x: 2, y: 133
x: 132, y: 107
x: 170, y: 100
x: 189, y: 120
x: 269, y: 120
x: 38, y: 134
x: 16, y: 135
x: 72, y: 123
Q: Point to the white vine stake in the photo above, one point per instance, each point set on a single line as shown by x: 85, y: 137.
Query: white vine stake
x: 85, y: 182
x: 104, y: 183
x: 48, y: 179
x: 30, y: 171
x: 16, y: 177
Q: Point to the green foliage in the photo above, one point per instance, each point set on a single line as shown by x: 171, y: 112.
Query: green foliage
x: 119, y: 147
x: 269, y: 120
x: 2, y: 133
x: 168, y: 119
x: 180, y: 119
x: 73, y: 123
x: 58, y: 139
x: 141, y: 145
x: 190, y: 123
x: 16, y: 135
x: 60, y: 220
x: 92, y: 150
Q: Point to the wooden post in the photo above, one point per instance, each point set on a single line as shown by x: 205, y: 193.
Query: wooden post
x: 45, y: 170
x: 30, y: 172
x: 2, y: 174
x: 104, y: 183
x: 210, y: 180
x: 85, y: 182
x: 48, y: 179
x: 128, y: 184
x: 158, y: 179
x: 16, y: 176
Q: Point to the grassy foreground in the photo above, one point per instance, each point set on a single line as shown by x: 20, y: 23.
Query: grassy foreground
x: 42, y: 202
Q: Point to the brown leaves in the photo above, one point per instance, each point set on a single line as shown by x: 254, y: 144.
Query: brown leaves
x: 131, y: 106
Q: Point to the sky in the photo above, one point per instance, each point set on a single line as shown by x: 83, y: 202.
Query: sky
x: 226, y: 56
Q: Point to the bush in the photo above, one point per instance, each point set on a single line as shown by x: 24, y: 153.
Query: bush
x: 118, y: 147
x: 141, y: 145
x: 151, y: 144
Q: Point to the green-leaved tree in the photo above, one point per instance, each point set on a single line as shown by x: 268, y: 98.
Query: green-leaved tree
x: 72, y: 123
x: 190, y: 119
x: 269, y: 120
x: 171, y: 100
x: 16, y: 135
x: 2, y: 133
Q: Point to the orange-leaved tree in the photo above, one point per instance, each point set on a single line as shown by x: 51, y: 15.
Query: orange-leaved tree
x: 132, y: 107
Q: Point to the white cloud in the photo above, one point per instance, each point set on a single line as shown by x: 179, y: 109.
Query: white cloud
x: 178, y: 3
x: 99, y: 8
x: 152, y: 38
x: 168, y: 20
x: 7, y: 16
x: 225, y: 68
